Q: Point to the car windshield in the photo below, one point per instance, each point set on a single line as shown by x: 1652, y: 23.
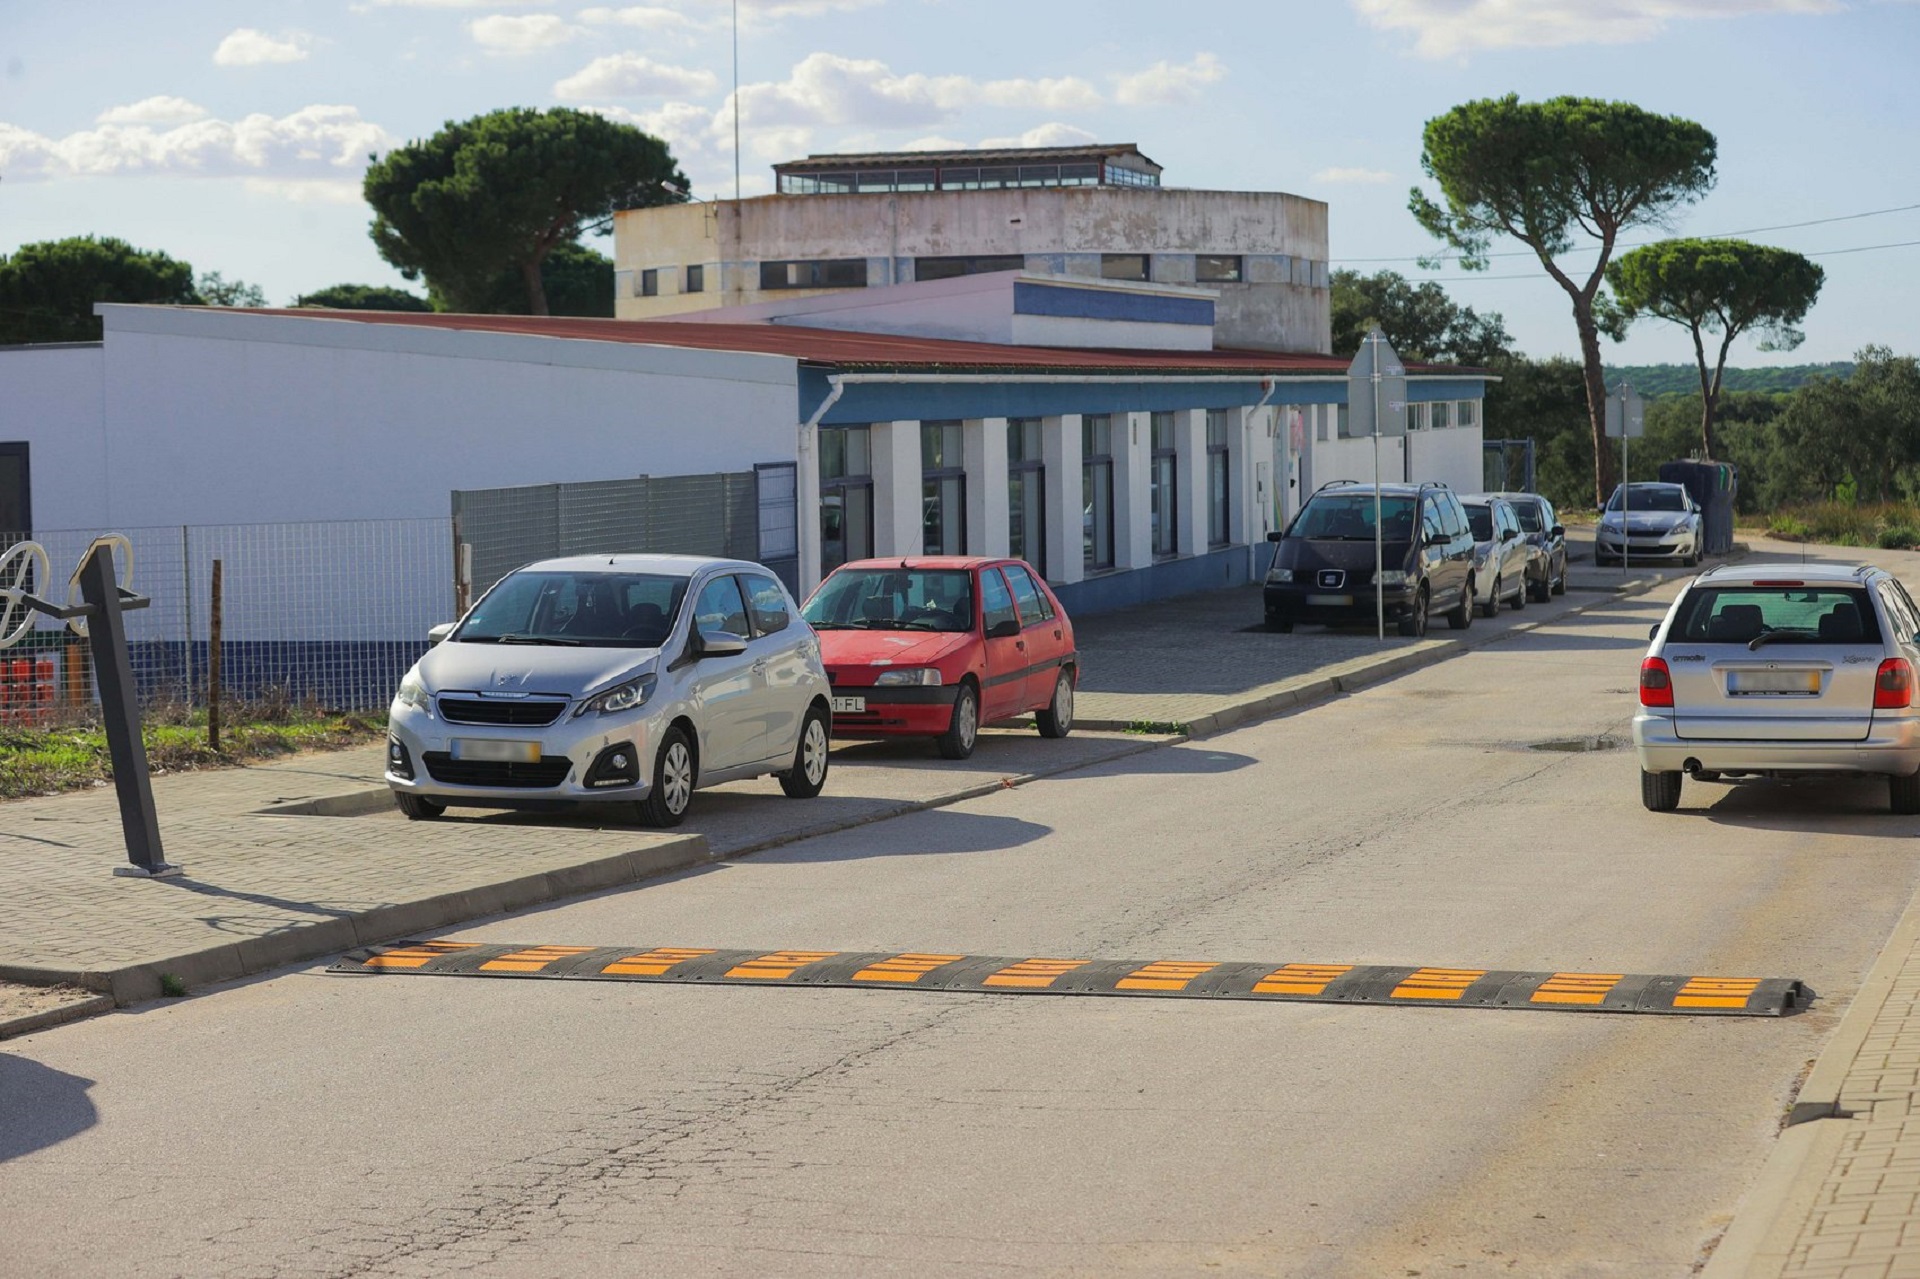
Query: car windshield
x: 1776, y: 615
x: 1529, y: 515
x: 1349, y: 517
x: 590, y: 609
x: 1650, y: 497
x: 893, y: 599
x: 1480, y: 519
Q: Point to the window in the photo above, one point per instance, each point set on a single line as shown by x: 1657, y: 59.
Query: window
x: 949, y: 268
x: 943, y: 489
x: 1032, y: 601
x: 1466, y: 413
x: 16, y: 492
x: 650, y: 283
x: 1799, y: 615
x: 766, y: 604
x: 1441, y: 414
x: 696, y: 279
x: 1117, y: 176
x: 1419, y: 417
x: 894, y: 599
x: 1210, y: 268
x: 1026, y: 493
x: 996, y: 603
x: 1219, y: 463
x: 1123, y: 266
x: 1163, y: 493
x: 605, y: 610
x: 846, y: 496
x: 845, y: 273
x: 721, y: 608
x: 1096, y: 490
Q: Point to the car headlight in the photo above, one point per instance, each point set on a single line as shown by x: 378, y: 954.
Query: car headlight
x: 1279, y: 575
x: 1395, y: 577
x: 916, y: 676
x: 623, y: 697
x: 413, y: 692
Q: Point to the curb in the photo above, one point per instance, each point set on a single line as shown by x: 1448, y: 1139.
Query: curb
x: 1760, y: 1240
x: 56, y: 1016
x: 1819, y: 1097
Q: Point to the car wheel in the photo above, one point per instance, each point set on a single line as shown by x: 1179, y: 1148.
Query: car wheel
x: 958, y: 741
x: 1542, y: 590
x: 809, y: 771
x: 1056, y: 720
x: 1520, y: 595
x: 666, y: 804
x: 1284, y: 625
x: 1492, y: 607
x: 418, y: 808
x: 1414, y: 624
x: 1903, y: 793
x: 1560, y: 582
x: 1660, y: 792
x: 1460, y: 616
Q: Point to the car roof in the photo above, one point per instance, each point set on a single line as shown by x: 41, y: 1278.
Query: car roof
x: 1355, y: 486
x: 1789, y: 571
x: 669, y: 565
x: 1481, y: 499
x: 1508, y: 495
x: 929, y: 562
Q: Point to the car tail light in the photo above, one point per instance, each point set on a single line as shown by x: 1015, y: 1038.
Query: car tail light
x: 1893, y: 685
x: 1656, y: 682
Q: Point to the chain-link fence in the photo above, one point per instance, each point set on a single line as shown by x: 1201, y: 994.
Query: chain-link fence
x: 329, y: 613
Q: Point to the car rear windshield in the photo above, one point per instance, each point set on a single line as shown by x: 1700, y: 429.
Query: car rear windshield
x: 1480, y: 519
x: 1777, y: 615
x: 1349, y: 517
x: 1650, y: 497
x: 1529, y: 513
x: 598, y: 610
x: 893, y: 599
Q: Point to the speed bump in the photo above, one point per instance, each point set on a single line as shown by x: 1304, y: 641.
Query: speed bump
x: 1049, y: 975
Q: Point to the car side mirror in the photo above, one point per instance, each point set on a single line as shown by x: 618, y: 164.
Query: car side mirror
x: 1510, y: 534
x: 1653, y: 631
x: 1435, y: 538
x: 1276, y: 536
x: 1558, y: 530
x: 440, y: 632
x: 1003, y: 630
x: 721, y: 644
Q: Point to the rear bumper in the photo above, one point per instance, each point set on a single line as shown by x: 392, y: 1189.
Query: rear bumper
x: 1294, y: 603
x: 1891, y: 747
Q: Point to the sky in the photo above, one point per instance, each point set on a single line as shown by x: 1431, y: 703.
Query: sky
x: 234, y: 133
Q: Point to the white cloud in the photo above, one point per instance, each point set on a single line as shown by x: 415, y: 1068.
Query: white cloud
x: 434, y: 4
x: 315, y: 142
x: 163, y: 109
x: 645, y: 17
x: 825, y: 88
x: 502, y: 33
x: 631, y: 75
x: 247, y: 47
x: 1453, y: 28
x: 1364, y: 176
x: 1045, y: 135
x: 1164, y: 84
x: 686, y: 128
x: 776, y: 9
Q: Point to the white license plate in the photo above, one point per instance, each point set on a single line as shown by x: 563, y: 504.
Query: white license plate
x: 1330, y: 601
x: 1800, y: 682
x: 849, y: 705
x: 498, y: 751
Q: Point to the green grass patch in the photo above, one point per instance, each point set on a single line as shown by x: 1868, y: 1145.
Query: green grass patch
x: 1888, y: 525
x: 71, y: 753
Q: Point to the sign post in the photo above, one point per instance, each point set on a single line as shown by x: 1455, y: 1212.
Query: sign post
x: 1626, y: 418
x: 1376, y: 406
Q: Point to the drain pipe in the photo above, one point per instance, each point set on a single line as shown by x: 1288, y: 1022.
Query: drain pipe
x: 1270, y: 387
x: 806, y: 487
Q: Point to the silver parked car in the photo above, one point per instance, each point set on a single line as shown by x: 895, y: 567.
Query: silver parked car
x: 1503, y: 558
x: 1541, y: 526
x: 603, y: 679
x: 1647, y: 522
x: 1782, y: 671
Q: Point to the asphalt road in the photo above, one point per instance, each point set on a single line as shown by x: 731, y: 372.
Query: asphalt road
x: 407, y: 1125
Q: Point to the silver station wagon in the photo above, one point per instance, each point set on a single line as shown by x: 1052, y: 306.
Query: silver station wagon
x: 613, y: 679
x: 1782, y: 671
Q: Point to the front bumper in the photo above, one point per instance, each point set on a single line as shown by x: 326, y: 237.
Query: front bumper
x: 1892, y: 746
x: 1293, y: 601
x: 568, y: 749
x: 914, y: 711
x: 1607, y: 544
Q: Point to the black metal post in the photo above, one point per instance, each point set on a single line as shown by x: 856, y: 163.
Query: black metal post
x: 120, y: 708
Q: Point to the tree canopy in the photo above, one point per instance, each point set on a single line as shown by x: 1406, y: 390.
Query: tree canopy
x: 1420, y: 320
x: 577, y: 280
x: 215, y: 289
x: 363, y: 297
x: 1720, y: 289
x: 1550, y: 174
x: 501, y: 191
x: 47, y: 290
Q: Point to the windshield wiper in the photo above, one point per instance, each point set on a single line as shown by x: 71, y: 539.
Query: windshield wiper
x: 827, y: 626
x: 1766, y: 635
x: 538, y: 639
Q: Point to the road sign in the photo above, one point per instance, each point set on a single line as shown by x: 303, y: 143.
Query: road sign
x: 1384, y: 397
x: 1626, y: 416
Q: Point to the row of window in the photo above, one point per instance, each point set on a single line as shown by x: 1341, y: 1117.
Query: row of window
x: 965, y: 178
x: 1330, y: 420
x: 851, y: 273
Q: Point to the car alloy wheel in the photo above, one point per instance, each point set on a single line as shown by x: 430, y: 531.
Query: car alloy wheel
x: 1056, y: 718
x: 809, y: 772
x: 666, y: 804
x: 964, y: 730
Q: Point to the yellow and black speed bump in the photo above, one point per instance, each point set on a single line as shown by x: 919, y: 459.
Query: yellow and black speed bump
x: 1164, y: 978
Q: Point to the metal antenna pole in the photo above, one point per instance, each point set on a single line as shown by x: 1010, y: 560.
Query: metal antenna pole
x: 1626, y: 490
x: 1379, y: 563
x: 736, y: 150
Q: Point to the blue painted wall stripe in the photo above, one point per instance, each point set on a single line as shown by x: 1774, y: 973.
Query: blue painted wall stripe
x: 1109, y: 304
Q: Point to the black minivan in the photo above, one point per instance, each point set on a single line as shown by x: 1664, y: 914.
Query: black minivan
x: 1322, y: 568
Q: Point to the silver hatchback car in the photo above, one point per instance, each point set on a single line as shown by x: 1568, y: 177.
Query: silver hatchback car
x: 1782, y: 671
x: 604, y: 679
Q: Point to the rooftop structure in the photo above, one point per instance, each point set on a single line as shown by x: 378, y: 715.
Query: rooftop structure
x: 1113, y: 164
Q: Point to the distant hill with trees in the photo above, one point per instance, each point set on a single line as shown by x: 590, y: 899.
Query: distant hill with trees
x: 1684, y: 379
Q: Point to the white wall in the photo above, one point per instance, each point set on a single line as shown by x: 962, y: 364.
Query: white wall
x: 216, y: 417
x: 1452, y: 456
x: 50, y: 399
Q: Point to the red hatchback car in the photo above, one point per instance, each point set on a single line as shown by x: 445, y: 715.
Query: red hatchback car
x: 938, y: 645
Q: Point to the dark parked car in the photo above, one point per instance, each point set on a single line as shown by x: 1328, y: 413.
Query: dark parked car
x: 1541, y: 526
x: 1322, y: 568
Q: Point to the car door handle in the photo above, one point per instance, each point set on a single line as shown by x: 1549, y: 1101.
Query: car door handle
x: 760, y: 666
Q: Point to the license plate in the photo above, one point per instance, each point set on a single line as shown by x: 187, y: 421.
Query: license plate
x: 1330, y: 601
x: 1802, y: 683
x: 849, y: 705
x: 495, y: 750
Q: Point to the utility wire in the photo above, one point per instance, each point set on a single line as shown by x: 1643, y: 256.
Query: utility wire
x: 1471, y: 277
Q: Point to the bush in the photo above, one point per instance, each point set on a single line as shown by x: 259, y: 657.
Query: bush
x: 1898, y: 537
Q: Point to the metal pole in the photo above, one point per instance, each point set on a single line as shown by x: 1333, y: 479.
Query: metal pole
x: 120, y: 709
x: 1379, y: 553
x: 214, y: 628
x: 1626, y: 491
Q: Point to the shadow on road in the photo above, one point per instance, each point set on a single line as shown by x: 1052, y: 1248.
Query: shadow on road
x: 40, y: 1106
x: 939, y: 830
x: 1810, y: 806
